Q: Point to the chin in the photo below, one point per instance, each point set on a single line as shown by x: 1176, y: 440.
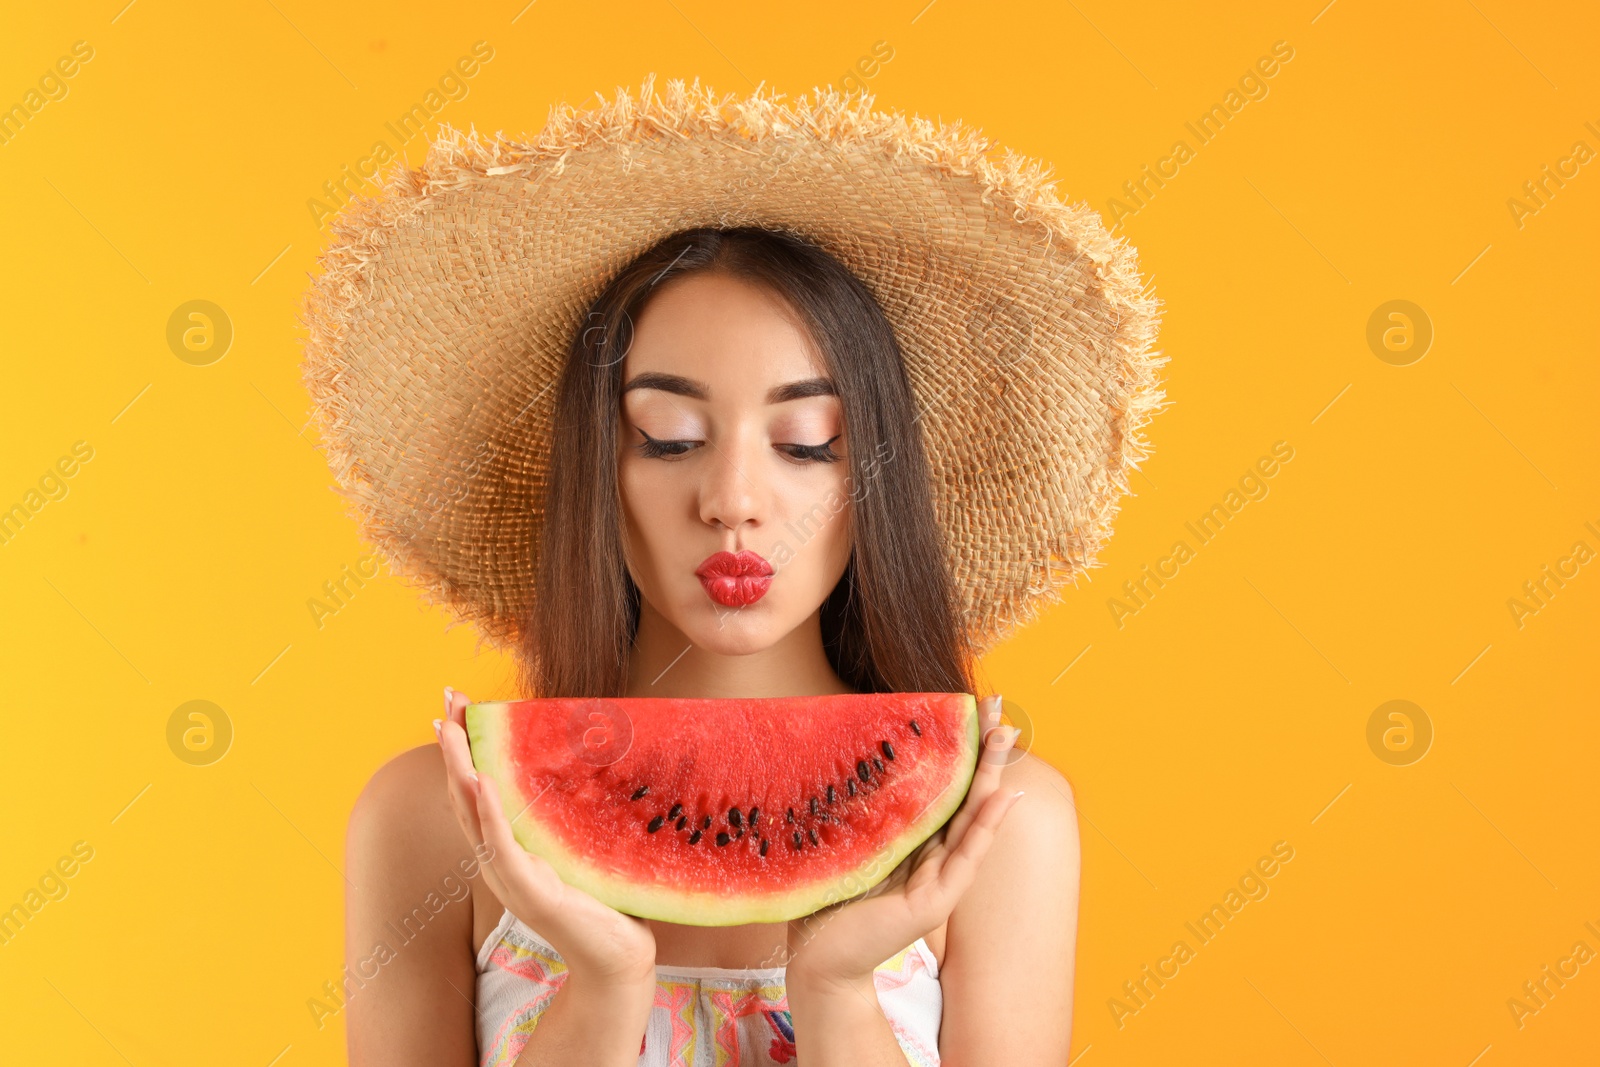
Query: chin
x: 728, y: 642
x: 734, y: 631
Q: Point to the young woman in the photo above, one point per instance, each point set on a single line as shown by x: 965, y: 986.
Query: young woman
x: 754, y: 367
x: 708, y: 396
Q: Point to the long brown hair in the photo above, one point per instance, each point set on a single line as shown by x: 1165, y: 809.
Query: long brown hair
x: 890, y: 625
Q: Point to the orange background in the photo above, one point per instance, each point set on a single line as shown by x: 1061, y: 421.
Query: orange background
x: 1228, y: 713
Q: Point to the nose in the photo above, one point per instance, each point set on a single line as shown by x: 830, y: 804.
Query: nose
x: 730, y: 496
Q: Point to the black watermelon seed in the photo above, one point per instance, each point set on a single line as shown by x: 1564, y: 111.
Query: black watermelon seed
x: 694, y: 838
x: 877, y: 764
x: 915, y: 728
x: 681, y: 822
x: 755, y: 813
x: 738, y: 833
x: 677, y: 810
x: 850, y: 786
x: 830, y: 793
x: 797, y: 840
x: 722, y: 837
x: 812, y: 833
x: 655, y: 824
x: 888, y: 750
x: 791, y: 815
x: 814, y: 805
x: 763, y: 846
x: 734, y: 816
x: 863, y: 772
x: 641, y: 791
x: 707, y: 824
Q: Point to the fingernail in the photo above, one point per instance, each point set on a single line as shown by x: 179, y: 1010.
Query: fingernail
x: 438, y: 729
x: 1017, y: 794
x: 448, y: 695
x: 1016, y: 732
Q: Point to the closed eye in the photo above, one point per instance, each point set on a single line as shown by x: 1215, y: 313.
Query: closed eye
x: 822, y: 453
x: 655, y: 448
x: 661, y: 448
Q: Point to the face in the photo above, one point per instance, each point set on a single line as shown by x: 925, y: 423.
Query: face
x: 731, y: 462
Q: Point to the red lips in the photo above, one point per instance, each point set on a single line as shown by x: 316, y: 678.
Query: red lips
x: 735, y: 579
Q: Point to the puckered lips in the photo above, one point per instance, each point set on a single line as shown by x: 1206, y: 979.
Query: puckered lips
x: 735, y: 579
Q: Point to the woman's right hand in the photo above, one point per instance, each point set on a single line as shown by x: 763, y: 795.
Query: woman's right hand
x: 601, y: 946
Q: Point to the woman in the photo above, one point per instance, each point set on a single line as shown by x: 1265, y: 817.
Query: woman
x: 731, y: 393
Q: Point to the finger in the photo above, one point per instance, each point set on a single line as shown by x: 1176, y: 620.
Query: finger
x: 985, y: 781
x: 989, y: 714
x: 994, y: 727
x: 455, y: 706
x: 455, y: 712
x: 500, y: 851
x: 994, y: 741
x: 513, y: 873
x: 460, y: 780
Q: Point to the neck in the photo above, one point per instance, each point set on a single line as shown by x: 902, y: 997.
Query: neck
x: 664, y: 663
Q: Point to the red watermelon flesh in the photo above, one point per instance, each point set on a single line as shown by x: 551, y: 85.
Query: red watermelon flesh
x: 727, y: 811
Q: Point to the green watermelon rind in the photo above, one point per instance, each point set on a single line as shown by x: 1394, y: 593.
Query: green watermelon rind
x: 488, y: 736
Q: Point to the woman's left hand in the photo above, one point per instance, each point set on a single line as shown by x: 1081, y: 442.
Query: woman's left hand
x: 843, y: 944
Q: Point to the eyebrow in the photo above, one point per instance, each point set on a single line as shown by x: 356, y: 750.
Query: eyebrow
x: 778, y: 394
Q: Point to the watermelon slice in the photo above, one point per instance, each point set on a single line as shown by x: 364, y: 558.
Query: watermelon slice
x: 730, y: 811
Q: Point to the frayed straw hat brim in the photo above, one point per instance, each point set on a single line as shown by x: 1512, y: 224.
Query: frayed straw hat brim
x: 441, y: 317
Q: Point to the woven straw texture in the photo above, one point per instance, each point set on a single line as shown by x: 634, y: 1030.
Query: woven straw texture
x: 438, y: 323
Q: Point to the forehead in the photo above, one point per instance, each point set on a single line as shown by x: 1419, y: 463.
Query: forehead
x: 737, y: 336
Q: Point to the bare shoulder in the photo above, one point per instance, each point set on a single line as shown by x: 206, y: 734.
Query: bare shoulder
x: 1047, y: 814
x: 409, y: 913
x: 410, y: 786
x: 402, y: 820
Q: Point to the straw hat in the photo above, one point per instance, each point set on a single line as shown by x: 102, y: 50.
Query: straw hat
x: 442, y: 315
